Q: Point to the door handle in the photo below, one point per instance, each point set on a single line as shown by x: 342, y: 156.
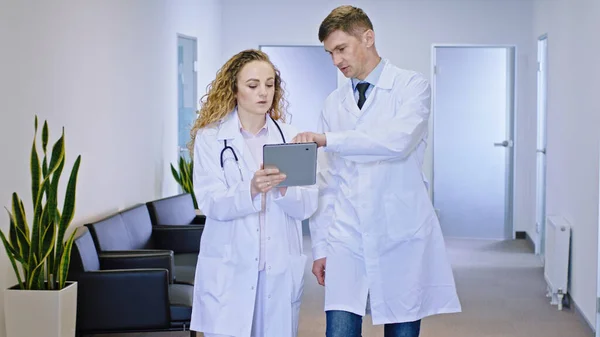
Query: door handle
x: 541, y: 151
x: 506, y: 143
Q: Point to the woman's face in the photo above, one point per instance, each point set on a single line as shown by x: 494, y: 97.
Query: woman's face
x: 255, y: 88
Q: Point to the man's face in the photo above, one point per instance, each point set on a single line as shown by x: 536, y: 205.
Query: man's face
x: 348, y: 52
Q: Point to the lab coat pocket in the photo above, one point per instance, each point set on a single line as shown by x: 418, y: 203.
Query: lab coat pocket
x: 297, y: 266
x: 213, y: 279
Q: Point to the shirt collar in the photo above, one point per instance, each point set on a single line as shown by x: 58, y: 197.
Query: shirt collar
x: 373, y: 77
x: 263, y: 131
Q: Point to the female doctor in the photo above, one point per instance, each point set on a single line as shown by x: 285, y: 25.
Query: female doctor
x: 249, y: 276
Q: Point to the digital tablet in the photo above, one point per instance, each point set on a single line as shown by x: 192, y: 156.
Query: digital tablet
x: 298, y: 161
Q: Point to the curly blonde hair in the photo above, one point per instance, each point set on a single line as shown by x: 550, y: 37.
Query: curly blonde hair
x: 220, y: 99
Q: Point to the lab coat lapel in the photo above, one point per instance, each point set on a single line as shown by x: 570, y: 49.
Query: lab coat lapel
x: 385, y: 82
x: 348, y: 101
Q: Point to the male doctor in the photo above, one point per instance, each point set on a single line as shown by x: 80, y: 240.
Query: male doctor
x: 376, y: 229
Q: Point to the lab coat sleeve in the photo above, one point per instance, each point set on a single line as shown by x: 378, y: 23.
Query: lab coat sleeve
x: 388, y: 139
x: 323, y: 217
x: 214, y: 198
x: 299, y: 202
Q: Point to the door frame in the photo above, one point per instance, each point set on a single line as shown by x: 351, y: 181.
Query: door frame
x: 541, y: 229
x: 195, y: 40
x: 511, y: 124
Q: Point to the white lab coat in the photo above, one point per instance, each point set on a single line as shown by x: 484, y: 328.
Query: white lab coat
x: 371, y: 175
x: 227, y: 270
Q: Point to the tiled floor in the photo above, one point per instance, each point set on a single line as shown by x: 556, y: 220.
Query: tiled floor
x: 502, y: 291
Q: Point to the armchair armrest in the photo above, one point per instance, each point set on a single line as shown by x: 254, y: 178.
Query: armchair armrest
x: 134, y: 259
x: 200, y: 219
x: 179, y: 238
x: 122, y: 300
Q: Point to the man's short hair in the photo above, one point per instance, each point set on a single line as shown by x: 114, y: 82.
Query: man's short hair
x: 349, y: 19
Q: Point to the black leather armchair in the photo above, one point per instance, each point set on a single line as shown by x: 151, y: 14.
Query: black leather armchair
x: 174, y: 214
x: 131, y: 231
x: 126, y: 292
x: 176, y: 210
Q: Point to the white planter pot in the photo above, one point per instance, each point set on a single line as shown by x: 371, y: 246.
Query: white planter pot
x: 48, y: 313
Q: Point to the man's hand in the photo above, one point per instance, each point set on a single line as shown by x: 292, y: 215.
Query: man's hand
x: 318, y: 270
x: 310, y: 137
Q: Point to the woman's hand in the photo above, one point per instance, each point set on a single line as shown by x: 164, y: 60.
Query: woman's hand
x: 264, y: 180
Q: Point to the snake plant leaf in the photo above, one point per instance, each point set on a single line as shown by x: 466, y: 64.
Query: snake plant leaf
x: 35, y: 168
x: 18, y: 210
x: 52, y: 196
x: 34, y: 279
x: 44, y: 167
x: 10, y: 253
x: 13, y: 235
x: 67, y: 213
x: 63, y: 268
x: 48, y: 233
x: 20, y: 221
x: 175, y: 175
x: 48, y: 239
x: 185, y: 177
x: 58, y: 154
x: 20, y: 242
x: 44, y: 136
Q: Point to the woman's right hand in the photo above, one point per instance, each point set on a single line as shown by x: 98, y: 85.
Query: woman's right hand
x: 264, y: 180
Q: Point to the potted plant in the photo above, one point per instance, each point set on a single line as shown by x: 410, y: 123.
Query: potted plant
x: 184, y: 177
x: 43, y: 302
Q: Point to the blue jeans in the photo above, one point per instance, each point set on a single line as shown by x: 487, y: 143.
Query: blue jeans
x: 347, y: 324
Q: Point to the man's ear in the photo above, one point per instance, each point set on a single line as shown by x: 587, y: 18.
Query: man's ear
x: 369, y: 38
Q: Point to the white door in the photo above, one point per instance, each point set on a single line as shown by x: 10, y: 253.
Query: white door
x: 472, y: 140
x: 540, y: 202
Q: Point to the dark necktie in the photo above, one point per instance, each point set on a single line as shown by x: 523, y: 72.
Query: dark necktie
x: 362, y: 89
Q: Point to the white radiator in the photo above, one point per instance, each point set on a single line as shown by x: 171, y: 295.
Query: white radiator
x: 556, y: 258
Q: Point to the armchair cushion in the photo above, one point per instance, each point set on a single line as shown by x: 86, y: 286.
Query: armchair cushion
x: 181, y: 297
x: 175, y: 210
x: 110, y: 234
x: 139, y: 226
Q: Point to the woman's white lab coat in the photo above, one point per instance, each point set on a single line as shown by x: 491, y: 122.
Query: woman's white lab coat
x: 227, y: 270
x: 376, y: 224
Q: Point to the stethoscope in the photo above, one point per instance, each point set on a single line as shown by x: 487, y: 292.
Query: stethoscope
x: 227, y: 147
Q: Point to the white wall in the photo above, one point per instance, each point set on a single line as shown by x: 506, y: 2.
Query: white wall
x: 573, y: 132
x: 405, y: 32
x: 106, y: 71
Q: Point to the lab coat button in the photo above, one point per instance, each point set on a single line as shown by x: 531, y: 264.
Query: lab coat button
x: 256, y: 259
x: 269, y: 238
x: 269, y: 296
x: 252, y: 287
